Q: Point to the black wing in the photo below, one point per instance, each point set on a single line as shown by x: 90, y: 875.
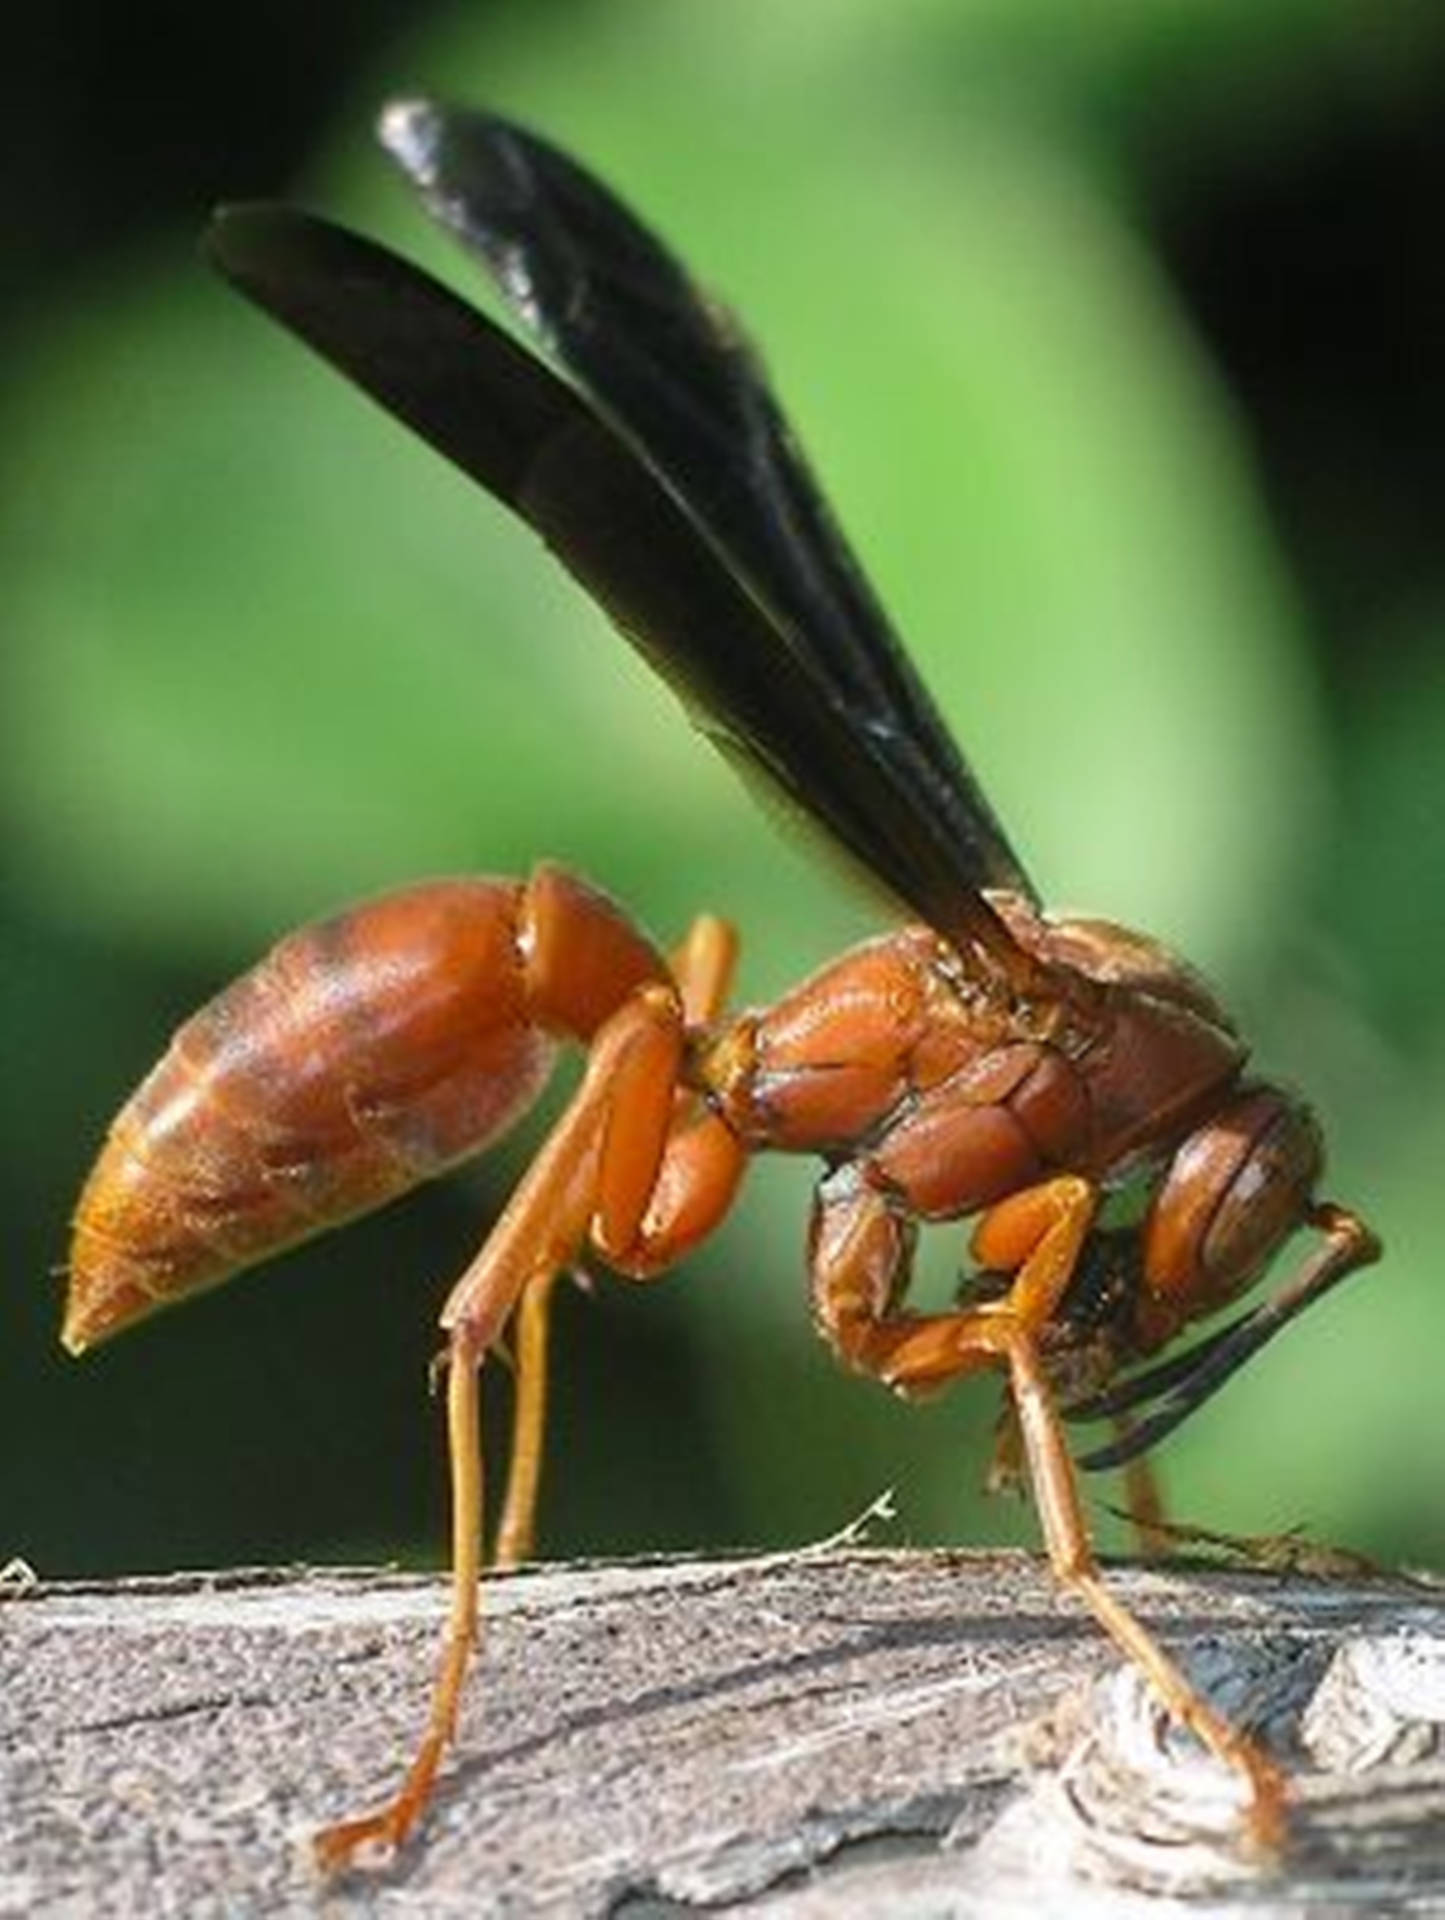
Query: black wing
x: 674, y: 496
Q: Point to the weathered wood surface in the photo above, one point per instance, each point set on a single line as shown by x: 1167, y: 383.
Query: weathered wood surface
x: 838, y: 1734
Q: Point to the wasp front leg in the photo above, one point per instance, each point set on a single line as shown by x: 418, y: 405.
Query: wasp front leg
x: 629, y: 1170
x: 861, y: 1244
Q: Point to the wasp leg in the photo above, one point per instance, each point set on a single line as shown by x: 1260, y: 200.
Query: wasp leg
x: 860, y: 1249
x: 1071, y: 1557
x: 337, y: 1844
x: 600, y: 1160
x: 1009, y: 1237
x: 1144, y: 1503
x: 703, y: 966
x: 531, y: 1338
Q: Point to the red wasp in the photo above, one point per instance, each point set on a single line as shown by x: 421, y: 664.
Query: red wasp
x: 983, y: 1061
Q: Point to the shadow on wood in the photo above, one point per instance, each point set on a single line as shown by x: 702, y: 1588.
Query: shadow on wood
x: 838, y: 1732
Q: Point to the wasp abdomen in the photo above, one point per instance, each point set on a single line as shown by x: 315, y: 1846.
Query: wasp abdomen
x: 361, y: 1056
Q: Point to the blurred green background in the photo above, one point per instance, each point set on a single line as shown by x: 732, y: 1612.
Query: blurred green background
x: 1118, y: 337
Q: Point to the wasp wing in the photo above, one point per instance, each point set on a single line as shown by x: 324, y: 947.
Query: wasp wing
x: 669, y: 369
x: 843, y: 730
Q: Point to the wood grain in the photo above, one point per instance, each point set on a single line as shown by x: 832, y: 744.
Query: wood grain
x: 824, y: 1733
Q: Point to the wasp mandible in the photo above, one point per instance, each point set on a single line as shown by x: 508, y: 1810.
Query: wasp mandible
x: 984, y: 1061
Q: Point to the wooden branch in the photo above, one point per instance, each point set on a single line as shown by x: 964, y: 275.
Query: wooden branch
x: 846, y: 1732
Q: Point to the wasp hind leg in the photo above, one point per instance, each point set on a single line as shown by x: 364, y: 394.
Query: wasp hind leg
x: 633, y: 1170
x: 702, y: 966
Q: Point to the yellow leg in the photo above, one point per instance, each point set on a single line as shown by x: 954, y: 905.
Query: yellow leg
x: 337, y: 1845
x: 1038, y: 1232
x: 1066, y: 1537
x: 1144, y: 1504
x: 703, y: 966
x: 602, y: 1167
x: 517, y: 1528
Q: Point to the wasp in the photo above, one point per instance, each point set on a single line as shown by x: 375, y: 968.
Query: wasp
x: 984, y: 1060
